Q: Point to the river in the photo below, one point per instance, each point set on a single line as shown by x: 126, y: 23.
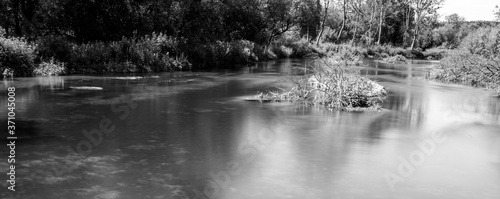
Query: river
x: 191, y: 135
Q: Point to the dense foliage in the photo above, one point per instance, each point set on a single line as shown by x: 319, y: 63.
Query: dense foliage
x: 208, y: 21
x: 16, y: 57
x: 152, y: 36
x: 477, y: 62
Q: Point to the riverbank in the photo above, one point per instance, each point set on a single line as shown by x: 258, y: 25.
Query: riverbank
x: 161, y: 53
x: 476, y: 63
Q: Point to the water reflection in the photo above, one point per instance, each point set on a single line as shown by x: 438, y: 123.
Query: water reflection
x: 191, y: 136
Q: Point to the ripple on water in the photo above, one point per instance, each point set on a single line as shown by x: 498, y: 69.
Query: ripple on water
x: 98, y: 192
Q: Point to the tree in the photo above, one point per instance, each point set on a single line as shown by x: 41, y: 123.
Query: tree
x: 102, y: 20
x: 344, y: 19
x: 454, y: 18
x: 357, y: 7
x: 497, y: 13
x: 279, y: 16
x: 309, y: 18
x: 422, y: 8
x: 243, y: 20
x: 408, y: 12
x: 382, y: 7
x: 323, y: 22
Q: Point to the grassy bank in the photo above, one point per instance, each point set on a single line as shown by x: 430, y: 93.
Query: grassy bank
x: 160, y: 53
x: 475, y: 63
x: 56, y: 56
x: 153, y: 53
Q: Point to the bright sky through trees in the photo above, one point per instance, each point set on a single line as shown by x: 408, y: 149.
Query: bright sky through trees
x: 472, y: 10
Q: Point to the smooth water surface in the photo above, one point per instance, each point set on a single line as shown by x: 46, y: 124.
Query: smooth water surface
x: 191, y: 135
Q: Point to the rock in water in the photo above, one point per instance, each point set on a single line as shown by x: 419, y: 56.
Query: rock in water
x: 86, y: 88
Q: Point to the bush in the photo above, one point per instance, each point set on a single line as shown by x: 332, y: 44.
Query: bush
x: 344, y: 53
x: 484, y: 42
x: 213, y: 54
x: 222, y: 53
x: 153, y: 53
x: 52, y: 67
x: 16, y: 56
x: 241, y: 51
x: 281, y: 51
x: 301, y: 49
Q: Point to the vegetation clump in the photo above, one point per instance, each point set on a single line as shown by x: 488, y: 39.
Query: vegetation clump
x: 50, y: 68
x: 333, y: 85
x: 397, y: 59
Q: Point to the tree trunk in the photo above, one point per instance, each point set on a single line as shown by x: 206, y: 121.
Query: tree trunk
x: 370, y: 38
x: 17, y: 22
x: 323, y: 23
x: 380, y: 23
x: 343, y: 21
x: 407, y: 25
x: 355, y: 31
x: 415, y: 36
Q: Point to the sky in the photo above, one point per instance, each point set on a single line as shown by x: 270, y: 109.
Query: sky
x: 472, y: 10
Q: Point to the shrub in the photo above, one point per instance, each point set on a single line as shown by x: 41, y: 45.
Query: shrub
x: 241, y: 51
x: 344, y: 53
x: 393, y: 51
x: 463, y: 67
x: 52, y: 67
x: 16, y: 56
x: 155, y: 53
x: 301, y: 49
x: 281, y: 51
x: 484, y: 42
x: 227, y: 53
